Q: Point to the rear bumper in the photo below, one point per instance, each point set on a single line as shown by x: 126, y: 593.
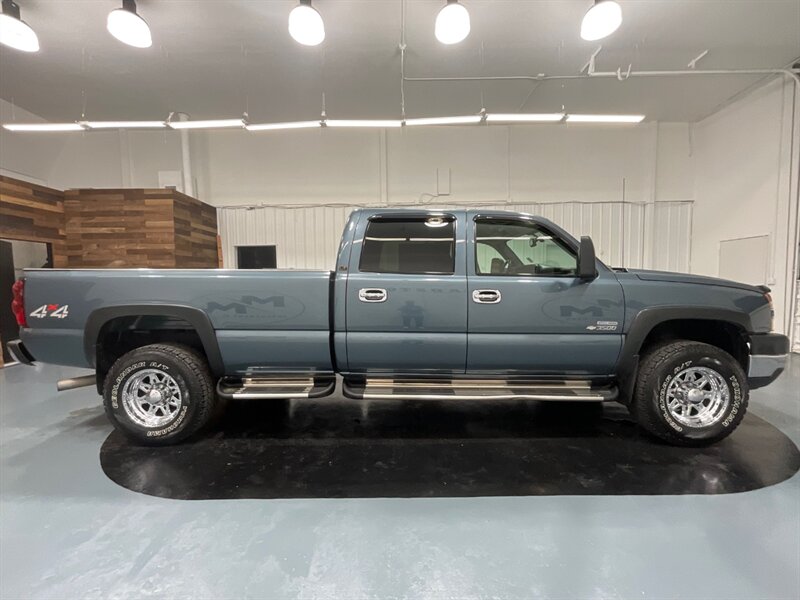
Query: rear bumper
x: 19, y: 352
x: 768, y: 355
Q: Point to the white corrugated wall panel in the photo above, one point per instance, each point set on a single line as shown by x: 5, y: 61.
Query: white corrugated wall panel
x: 305, y: 238
x: 672, y: 235
x: 308, y: 237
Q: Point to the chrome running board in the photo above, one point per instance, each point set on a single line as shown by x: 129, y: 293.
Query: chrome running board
x: 474, y: 389
x: 268, y: 388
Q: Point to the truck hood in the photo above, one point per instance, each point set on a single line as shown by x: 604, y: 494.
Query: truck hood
x: 698, y: 279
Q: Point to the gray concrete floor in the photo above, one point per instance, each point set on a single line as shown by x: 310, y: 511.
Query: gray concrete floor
x: 66, y: 531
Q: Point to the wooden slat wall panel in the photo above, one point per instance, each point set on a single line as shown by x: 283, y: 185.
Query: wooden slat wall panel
x: 91, y: 228
x: 119, y: 228
x: 34, y: 213
x: 195, y: 233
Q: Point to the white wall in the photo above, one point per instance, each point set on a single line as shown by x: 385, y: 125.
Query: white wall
x: 86, y: 159
x: 535, y: 163
x: 26, y: 156
x: 746, y: 186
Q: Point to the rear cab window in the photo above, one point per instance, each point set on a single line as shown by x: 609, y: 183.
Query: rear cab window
x: 409, y: 245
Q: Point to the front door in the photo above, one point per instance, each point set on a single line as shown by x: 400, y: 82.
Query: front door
x: 528, y: 312
x: 406, y: 295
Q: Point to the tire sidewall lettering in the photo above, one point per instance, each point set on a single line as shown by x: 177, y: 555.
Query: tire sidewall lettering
x: 662, y: 395
x: 171, y: 427
x: 121, y: 378
x: 735, y: 389
x: 662, y: 404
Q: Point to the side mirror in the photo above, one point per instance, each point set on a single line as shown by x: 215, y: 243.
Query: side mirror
x: 587, y: 269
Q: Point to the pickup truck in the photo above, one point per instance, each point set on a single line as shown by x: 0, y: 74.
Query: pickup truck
x: 446, y: 305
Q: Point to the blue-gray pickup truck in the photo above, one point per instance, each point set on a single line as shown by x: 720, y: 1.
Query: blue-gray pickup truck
x: 447, y: 305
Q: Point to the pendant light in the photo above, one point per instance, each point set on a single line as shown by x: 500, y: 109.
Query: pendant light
x: 452, y: 23
x: 14, y: 32
x: 128, y: 27
x: 305, y: 24
x: 601, y: 20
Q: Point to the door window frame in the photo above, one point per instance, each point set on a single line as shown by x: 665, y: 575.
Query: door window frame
x: 459, y: 219
x: 560, y: 240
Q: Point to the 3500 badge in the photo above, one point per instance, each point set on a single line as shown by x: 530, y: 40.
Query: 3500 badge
x: 51, y: 310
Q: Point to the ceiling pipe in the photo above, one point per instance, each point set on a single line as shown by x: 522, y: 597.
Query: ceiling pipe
x: 793, y: 73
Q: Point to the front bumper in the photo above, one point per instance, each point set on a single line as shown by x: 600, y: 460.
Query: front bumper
x: 19, y: 352
x: 768, y: 355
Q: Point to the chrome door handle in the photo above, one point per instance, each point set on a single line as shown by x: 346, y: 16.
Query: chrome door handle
x: 486, y: 296
x: 372, y: 295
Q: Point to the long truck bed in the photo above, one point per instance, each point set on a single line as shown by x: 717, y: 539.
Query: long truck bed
x: 277, y: 318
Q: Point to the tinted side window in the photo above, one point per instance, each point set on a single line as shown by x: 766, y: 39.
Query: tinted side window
x: 509, y: 247
x: 409, y: 246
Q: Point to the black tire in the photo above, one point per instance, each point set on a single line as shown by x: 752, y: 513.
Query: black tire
x: 181, y: 368
x: 649, y: 404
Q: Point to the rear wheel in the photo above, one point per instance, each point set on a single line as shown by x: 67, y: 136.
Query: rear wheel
x: 159, y: 394
x: 690, y: 393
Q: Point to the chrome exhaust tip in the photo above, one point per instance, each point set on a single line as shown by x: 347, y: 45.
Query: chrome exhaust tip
x: 76, y: 382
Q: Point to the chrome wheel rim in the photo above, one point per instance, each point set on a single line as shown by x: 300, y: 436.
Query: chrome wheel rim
x: 152, y: 398
x: 698, y: 397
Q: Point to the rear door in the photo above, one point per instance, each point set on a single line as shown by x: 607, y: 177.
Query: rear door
x: 407, y: 294
x: 528, y: 312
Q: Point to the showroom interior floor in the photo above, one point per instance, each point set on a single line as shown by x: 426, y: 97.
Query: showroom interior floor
x: 68, y: 531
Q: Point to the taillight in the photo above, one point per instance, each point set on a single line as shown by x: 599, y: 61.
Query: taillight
x: 18, y: 302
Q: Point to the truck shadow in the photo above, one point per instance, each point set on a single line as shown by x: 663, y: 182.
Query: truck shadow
x: 338, y: 448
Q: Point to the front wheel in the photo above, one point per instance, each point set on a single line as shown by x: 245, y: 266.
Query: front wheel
x: 159, y: 394
x: 690, y: 393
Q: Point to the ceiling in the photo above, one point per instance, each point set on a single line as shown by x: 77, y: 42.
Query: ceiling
x: 215, y: 59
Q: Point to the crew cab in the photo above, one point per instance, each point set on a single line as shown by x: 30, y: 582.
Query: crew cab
x: 454, y: 305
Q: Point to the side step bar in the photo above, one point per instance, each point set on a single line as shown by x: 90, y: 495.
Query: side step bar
x: 264, y: 388
x: 488, y: 389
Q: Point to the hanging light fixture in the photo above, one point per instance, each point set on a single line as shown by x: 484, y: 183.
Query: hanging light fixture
x: 601, y: 20
x: 465, y: 120
x: 43, y: 127
x: 452, y: 23
x: 14, y: 32
x: 128, y: 27
x: 605, y: 118
x: 305, y: 24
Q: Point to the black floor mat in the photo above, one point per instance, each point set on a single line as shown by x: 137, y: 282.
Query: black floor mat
x: 335, y: 448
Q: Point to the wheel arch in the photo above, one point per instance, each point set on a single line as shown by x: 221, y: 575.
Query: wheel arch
x: 650, y: 323
x: 197, y: 319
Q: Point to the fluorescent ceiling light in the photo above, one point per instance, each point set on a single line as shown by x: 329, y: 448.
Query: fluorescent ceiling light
x: 43, y: 127
x: 128, y: 27
x: 452, y: 23
x: 124, y: 124
x: 290, y: 125
x: 305, y: 24
x: 524, y: 118
x: 212, y: 124
x: 605, y: 118
x: 14, y: 32
x: 601, y: 20
x: 445, y: 120
x: 363, y: 123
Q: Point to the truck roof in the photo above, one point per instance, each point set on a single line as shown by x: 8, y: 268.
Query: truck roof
x: 446, y: 209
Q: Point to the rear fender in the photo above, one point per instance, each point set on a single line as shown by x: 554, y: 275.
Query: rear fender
x: 194, y: 316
